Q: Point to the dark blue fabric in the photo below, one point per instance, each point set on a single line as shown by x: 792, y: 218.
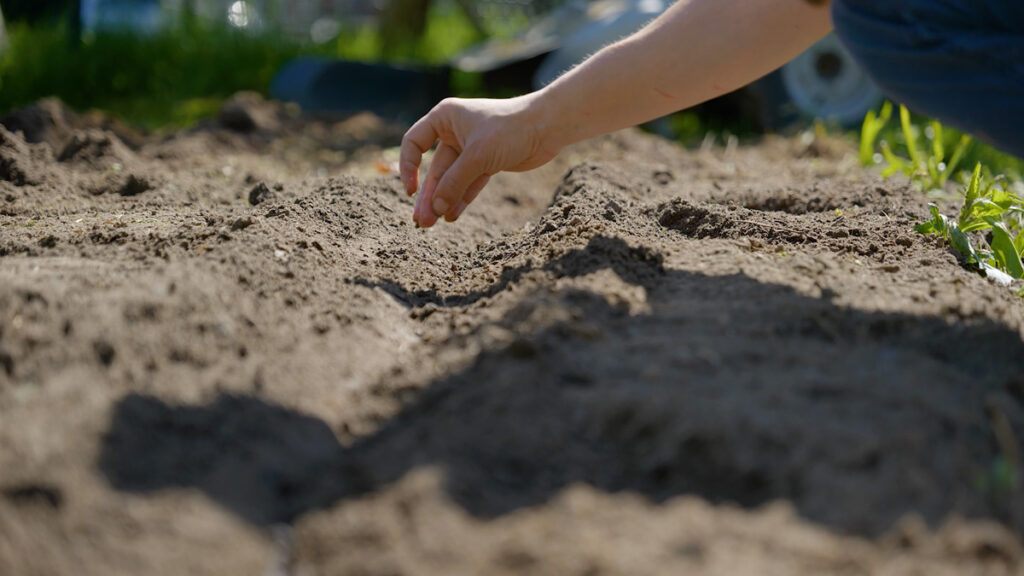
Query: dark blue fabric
x: 961, y: 61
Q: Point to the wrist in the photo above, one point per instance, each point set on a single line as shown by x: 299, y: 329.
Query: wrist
x: 551, y: 122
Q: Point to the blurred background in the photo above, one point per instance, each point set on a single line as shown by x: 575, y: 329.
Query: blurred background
x: 164, y: 64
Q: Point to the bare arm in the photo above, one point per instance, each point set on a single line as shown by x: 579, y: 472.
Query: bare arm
x: 695, y: 51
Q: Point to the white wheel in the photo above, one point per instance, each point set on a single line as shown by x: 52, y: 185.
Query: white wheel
x: 825, y: 82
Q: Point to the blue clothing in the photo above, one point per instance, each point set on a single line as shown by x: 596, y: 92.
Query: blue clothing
x: 961, y: 61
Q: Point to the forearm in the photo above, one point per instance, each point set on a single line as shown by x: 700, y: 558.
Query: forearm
x: 695, y: 51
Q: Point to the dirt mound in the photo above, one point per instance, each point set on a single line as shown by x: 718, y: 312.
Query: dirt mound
x: 821, y: 199
x: 48, y: 120
x: 872, y: 235
x: 249, y: 112
x: 232, y: 352
x: 123, y: 184
x: 106, y: 165
x: 20, y: 163
x: 97, y: 149
x: 361, y: 130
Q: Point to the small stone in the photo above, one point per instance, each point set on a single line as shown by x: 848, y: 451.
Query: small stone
x: 134, y: 185
x: 248, y: 112
x: 7, y: 361
x: 260, y: 193
x: 522, y: 348
x: 104, y: 351
x: 241, y: 224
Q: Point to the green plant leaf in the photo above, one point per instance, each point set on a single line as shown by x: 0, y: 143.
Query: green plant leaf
x: 962, y: 244
x: 934, y: 176
x: 894, y: 164
x: 958, y: 154
x: 1004, y: 199
x: 867, y: 139
x: 974, y: 225
x: 938, y: 149
x: 869, y: 130
x: 939, y: 224
x: 1004, y: 251
x: 971, y: 195
x: 982, y: 208
x: 911, y: 138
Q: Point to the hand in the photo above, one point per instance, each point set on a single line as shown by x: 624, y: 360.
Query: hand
x: 635, y: 80
x: 478, y: 138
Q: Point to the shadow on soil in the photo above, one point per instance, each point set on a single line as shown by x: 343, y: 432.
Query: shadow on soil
x: 728, y: 389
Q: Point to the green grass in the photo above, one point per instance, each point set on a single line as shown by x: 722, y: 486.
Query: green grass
x: 168, y: 79
x: 927, y: 152
x: 181, y: 74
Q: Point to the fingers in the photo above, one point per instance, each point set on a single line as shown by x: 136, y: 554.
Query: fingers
x: 456, y: 182
x: 469, y: 196
x: 475, y: 189
x: 415, y: 143
x: 442, y: 161
x: 422, y: 215
x: 456, y: 175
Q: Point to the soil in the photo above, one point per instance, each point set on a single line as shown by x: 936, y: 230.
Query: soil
x: 227, y: 350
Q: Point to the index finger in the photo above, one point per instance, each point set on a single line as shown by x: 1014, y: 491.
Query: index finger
x: 415, y: 143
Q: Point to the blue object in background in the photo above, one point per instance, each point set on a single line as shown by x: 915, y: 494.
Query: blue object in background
x: 402, y: 93
x: 140, y: 16
x: 961, y: 61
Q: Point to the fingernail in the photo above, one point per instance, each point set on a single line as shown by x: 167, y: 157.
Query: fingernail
x: 459, y: 208
x: 440, y: 206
